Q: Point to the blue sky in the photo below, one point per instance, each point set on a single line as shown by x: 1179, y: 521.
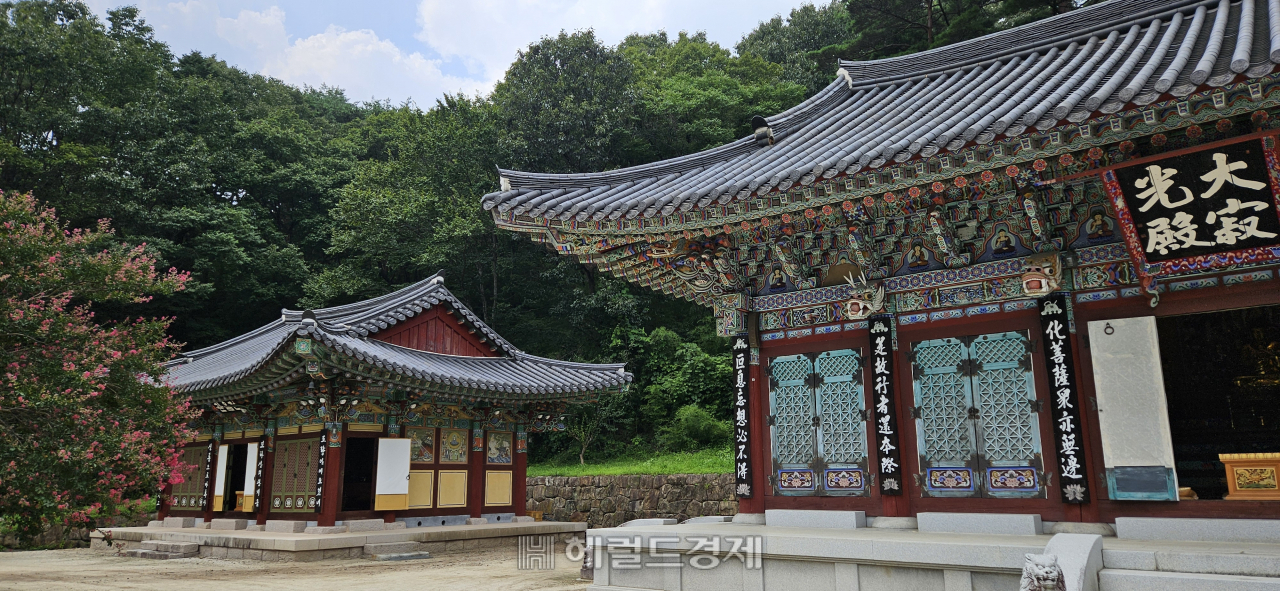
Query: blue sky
x: 418, y: 49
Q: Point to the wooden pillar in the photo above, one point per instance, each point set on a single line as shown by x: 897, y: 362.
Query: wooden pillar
x: 519, y: 465
x: 475, y: 471
x: 329, y: 496
x: 162, y: 503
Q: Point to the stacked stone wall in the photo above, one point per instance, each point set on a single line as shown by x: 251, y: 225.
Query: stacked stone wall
x: 608, y: 501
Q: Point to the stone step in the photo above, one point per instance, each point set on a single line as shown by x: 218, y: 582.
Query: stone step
x: 403, y: 556
x: 229, y: 524
x: 363, y: 525
x: 1223, y: 562
x: 155, y: 555
x: 391, y: 548
x: 1139, y: 580
x: 176, y: 547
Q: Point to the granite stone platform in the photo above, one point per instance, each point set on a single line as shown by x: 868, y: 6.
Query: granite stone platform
x: 304, y: 547
x: 882, y: 559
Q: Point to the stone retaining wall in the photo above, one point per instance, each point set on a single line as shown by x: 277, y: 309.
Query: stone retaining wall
x: 608, y: 501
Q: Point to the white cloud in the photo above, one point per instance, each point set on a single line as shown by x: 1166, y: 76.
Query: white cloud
x: 486, y: 34
x: 365, y: 66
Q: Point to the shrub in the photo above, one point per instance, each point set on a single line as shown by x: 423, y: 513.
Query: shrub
x: 694, y: 428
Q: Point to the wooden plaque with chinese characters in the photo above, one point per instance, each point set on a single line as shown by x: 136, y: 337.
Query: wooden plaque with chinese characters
x: 1211, y: 208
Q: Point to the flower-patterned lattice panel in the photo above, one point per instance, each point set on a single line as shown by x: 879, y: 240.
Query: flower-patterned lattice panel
x: 840, y: 404
x: 792, y: 408
x: 1003, y: 392
x: 943, y: 399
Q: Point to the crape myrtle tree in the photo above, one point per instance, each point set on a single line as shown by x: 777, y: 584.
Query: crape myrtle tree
x: 87, y: 429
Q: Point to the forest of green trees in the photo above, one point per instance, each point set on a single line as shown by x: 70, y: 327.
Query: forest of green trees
x: 275, y: 196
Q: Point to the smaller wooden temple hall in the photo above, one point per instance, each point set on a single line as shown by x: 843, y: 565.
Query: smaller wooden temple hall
x: 405, y: 406
x: 1033, y: 272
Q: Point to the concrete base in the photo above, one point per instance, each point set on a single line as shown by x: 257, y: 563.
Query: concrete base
x: 1071, y: 527
x: 363, y: 525
x: 228, y: 524
x: 648, y: 522
x: 881, y: 559
x: 749, y: 518
x: 179, y: 522
x: 893, y: 522
x: 522, y: 519
x: 709, y: 519
x: 477, y: 521
x: 821, y: 519
x: 285, y: 526
x: 1200, y: 530
x: 326, y: 530
x: 980, y: 523
x: 303, y: 547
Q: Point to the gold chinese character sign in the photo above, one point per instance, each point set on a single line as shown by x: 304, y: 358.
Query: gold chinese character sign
x: 1210, y: 208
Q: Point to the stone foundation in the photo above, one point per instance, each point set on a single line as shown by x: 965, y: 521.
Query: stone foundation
x: 609, y: 501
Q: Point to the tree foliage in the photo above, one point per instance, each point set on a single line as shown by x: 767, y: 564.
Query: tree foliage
x: 87, y: 430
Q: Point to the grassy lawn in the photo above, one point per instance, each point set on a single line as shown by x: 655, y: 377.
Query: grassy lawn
x: 711, y: 461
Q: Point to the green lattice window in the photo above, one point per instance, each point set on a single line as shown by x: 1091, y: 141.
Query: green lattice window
x: 977, y: 426
x: 817, y: 412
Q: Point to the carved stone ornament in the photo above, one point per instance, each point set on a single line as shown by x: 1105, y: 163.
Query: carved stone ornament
x: 867, y: 299
x: 1041, y: 573
x: 1042, y: 274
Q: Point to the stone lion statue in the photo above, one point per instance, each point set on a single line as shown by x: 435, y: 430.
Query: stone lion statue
x: 1042, y: 573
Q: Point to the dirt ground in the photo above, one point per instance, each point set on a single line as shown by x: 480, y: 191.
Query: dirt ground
x: 80, y: 569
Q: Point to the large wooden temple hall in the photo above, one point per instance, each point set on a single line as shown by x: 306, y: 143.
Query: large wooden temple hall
x: 1033, y: 273
x: 406, y: 407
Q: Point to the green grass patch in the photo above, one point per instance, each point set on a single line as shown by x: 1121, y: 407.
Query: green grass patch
x: 708, y: 461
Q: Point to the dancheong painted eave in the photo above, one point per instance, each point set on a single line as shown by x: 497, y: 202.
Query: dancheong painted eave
x: 264, y: 358
x: 1084, y: 65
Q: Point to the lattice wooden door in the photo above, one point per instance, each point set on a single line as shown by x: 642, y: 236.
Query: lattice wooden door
x: 818, y: 424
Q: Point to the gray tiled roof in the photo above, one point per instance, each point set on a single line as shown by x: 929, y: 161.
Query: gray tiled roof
x: 1084, y: 64
x: 346, y: 328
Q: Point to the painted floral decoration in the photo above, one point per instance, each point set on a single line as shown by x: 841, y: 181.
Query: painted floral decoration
x: 1159, y: 139
x: 914, y: 192
x: 1223, y: 125
x: 1259, y: 117
x: 1012, y: 171
x: 1039, y: 164
x: 809, y: 213
x: 869, y: 201
x: 988, y: 176
x: 746, y: 226
x: 1127, y: 146
x: 786, y: 218
x: 764, y: 221
x: 826, y: 210
x: 728, y: 229
x: 1095, y: 153
x: 961, y: 181
x: 890, y: 197
x: 938, y: 187
x: 1194, y: 132
x: 1066, y: 160
x: 847, y: 206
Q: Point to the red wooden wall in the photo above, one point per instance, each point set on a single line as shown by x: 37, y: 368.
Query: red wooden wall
x: 435, y: 331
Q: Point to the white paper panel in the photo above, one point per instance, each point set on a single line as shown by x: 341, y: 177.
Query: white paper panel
x: 250, y: 471
x: 1132, y: 412
x: 393, y: 467
x: 220, y: 478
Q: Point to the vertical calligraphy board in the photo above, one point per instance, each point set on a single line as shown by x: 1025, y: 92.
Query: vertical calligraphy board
x: 885, y: 428
x: 1064, y: 398
x: 741, y: 418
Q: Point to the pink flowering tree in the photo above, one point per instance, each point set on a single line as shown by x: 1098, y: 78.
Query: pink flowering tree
x: 87, y: 428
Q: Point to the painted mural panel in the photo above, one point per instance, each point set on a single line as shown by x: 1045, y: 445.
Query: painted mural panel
x: 453, y: 446
x: 499, y: 449
x: 422, y: 446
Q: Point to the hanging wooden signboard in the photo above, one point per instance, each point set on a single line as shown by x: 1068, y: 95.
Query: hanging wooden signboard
x: 741, y: 418
x: 1210, y: 208
x: 886, y: 423
x: 1064, y: 399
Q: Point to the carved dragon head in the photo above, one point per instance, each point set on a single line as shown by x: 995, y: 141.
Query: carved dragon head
x: 1042, y: 275
x: 865, y: 300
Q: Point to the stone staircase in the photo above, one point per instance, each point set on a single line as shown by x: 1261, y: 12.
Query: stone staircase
x: 395, y: 551
x: 158, y: 550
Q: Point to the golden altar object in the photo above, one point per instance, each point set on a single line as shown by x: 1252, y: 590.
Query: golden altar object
x: 1252, y: 477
